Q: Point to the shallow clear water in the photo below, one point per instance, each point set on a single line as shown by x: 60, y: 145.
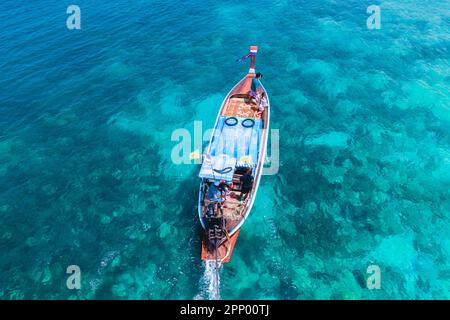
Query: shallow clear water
x: 86, y: 175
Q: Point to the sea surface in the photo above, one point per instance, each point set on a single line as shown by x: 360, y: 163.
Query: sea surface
x: 87, y: 176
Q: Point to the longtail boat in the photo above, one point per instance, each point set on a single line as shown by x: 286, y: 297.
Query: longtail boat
x: 238, y: 143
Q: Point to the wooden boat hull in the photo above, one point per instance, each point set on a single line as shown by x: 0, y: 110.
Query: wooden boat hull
x: 235, y: 211
x: 223, y: 252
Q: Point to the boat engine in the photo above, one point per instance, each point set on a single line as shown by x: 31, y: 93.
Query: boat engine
x: 215, y: 232
x: 210, y: 211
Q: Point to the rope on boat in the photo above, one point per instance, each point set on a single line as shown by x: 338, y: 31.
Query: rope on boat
x: 232, y: 124
x: 252, y: 123
x: 216, y: 278
x: 224, y: 170
x: 229, y: 246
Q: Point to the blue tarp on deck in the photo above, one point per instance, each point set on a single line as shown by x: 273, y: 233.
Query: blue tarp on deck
x: 237, y: 141
x: 218, y: 168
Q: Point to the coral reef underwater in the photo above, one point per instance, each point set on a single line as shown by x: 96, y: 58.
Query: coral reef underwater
x: 86, y: 120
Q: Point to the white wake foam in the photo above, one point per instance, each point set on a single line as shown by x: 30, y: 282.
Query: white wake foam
x: 210, y: 282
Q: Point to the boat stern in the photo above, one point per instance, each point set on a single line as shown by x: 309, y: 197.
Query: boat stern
x: 223, y: 252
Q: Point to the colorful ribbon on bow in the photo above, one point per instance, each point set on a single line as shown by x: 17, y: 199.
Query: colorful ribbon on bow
x: 248, y: 55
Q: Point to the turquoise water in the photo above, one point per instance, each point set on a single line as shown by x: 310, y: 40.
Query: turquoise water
x: 86, y: 118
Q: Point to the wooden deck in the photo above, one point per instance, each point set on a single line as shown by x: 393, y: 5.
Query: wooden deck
x: 233, y: 209
x: 240, y: 107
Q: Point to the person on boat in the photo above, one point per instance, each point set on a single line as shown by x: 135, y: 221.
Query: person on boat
x: 246, y: 184
x: 255, y: 87
x: 215, y: 192
x: 223, y: 187
x: 261, y: 102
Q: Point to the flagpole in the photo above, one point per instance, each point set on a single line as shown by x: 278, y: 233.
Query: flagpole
x: 253, y: 51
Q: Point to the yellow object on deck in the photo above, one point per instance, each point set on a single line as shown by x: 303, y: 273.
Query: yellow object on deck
x: 195, y: 155
x: 246, y: 159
